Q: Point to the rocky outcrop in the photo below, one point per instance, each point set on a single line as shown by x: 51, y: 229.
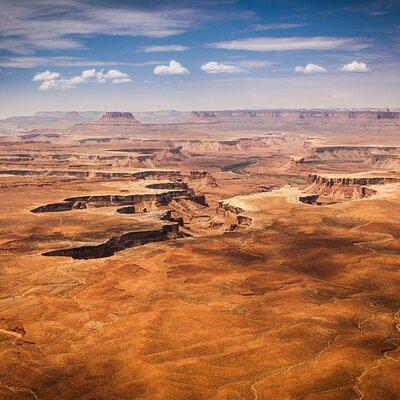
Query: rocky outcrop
x: 167, y: 216
x: 309, y: 199
x: 168, y: 185
x: 164, y: 198
x: 92, y: 174
x: 200, y: 180
x: 390, y: 161
x: 232, y: 216
x: 240, y: 166
x: 127, y: 210
x: 344, y: 188
x: 353, y: 153
x: 346, y: 181
x: 100, y: 139
x: 155, y: 174
x: 28, y: 172
x: 227, y: 207
x: 298, y: 164
x: 244, y: 220
x: 203, y: 116
x: 118, y: 243
x: 64, y: 206
x: 117, y: 118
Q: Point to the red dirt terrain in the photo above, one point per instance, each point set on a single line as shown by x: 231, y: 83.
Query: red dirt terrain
x: 217, y: 258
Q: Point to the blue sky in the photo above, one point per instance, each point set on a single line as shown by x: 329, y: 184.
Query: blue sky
x: 150, y: 55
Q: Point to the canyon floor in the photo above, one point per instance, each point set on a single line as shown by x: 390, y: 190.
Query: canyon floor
x: 200, y: 261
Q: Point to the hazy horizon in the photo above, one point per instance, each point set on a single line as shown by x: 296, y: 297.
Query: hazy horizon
x: 202, y: 110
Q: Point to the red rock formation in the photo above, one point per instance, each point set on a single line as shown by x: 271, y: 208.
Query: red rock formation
x: 117, y: 118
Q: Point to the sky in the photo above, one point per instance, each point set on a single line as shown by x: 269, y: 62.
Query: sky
x: 198, y: 55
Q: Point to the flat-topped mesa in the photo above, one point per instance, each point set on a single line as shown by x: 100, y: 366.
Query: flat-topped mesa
x: 350, y: 180
x: 351, y: 152
x: 117, y: 118
x: 181, y: 192
x: 344, y: 188
x: 323, y: 149
x: 325, y: 115
x: 202, y: 117
x: 72, y: 114
x: 227, y: 115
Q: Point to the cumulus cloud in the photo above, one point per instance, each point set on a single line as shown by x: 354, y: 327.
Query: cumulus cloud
x: 173, y: 68
x: 264, y: 44
x: 53, y: 80
x: 355, y: 66
x: 115, y: 74
x: 157, y: 49
x: 89, y: 73
x: 310, y: 69
x: 46, y: 76
x: 213, y: 67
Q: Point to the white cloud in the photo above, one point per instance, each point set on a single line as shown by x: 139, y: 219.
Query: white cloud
x: 115, y: 74
x: 58, y: 84
x: 122, y: 80
x: 173, y: 68
x: 147, y: 63
x: 377, y: 13
x: 76, y: 80
x: 46, y: 76
x: 52, y: 80
x: 264, y: 44
x: 252, y: 64
x: 355, y: 66
x: 27, y: 26
x: 156, y: 49
x: 59, y: 61
x: 89, y: 73
x: 213, y: 67
x: 275, y: 26
x: 310, y: 69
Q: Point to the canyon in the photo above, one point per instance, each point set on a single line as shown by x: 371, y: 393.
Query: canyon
x: 238, y: 254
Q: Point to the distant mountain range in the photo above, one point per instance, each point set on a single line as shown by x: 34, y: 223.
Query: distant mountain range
x: 62, y: 119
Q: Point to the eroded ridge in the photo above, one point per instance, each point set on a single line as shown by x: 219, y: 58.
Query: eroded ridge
x: 120, y: 242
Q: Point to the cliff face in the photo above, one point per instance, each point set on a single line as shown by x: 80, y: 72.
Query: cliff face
x: 120, y: 242
x: 83, y: 202
x: 347, y: 181
x: 92, y: 174
x: 351, y: 152
x: 344, y: 188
